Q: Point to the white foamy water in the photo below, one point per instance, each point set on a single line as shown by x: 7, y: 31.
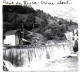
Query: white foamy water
x: 36, y: 58
x: 63, y: 64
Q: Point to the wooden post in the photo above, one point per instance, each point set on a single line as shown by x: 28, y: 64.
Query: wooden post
x: 22, y: 33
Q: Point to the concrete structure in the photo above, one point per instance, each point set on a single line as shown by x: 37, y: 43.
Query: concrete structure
x: 75, y: 33
x: 69, y: 35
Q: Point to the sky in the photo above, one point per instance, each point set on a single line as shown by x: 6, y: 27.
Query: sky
x: 69, y: 12
x: 65, y: 12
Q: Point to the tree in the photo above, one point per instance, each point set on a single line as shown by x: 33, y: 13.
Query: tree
x: 55, y: 31
x: 29, y: 23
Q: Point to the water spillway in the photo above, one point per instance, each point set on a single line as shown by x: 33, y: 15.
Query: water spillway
x: 37, y: 55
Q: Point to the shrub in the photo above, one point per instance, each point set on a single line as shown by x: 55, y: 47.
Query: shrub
x: 75, y: 48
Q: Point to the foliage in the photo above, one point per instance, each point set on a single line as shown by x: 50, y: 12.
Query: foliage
x: 18, y: 9
x: 75, y: 48
x: 56, y: 31
x: 50, y: 27
x: 29, y: 23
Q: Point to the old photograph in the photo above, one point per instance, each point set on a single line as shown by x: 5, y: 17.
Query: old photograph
x: 40, y: 36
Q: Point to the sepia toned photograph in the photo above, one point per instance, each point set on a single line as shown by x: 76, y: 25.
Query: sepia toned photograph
x: 41, y: 37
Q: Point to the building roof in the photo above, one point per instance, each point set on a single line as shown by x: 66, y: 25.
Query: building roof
x: 11, y: 32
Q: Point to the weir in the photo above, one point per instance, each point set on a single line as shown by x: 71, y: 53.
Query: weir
x: 37, y: 55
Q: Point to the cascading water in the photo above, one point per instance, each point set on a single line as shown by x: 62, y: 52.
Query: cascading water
x: 40, y: 55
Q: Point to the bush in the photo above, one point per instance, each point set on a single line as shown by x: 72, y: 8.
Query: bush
x: 75, y: 48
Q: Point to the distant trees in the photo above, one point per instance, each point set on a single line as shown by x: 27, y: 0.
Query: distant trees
x: 25, y: 10
x: 18, y: 9
x: 53, y: 27
x: 12, y: 20
x: 47, y: 25
x: 55, y: 32
x: 30, y: 21
x: 44, y: 16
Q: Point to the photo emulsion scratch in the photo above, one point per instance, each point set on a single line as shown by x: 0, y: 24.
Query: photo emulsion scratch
x: 40, y: 36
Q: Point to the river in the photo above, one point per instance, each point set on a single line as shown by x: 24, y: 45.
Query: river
x: 60, y: 65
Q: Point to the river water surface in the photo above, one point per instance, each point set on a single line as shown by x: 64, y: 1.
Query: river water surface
x: 66, y: 64
x: 61, y: 65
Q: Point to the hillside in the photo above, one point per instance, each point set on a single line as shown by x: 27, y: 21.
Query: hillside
x: 52, y: 28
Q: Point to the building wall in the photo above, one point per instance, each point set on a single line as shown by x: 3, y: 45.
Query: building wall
x: 72, y: 36
x: 75, y: 34
x: 69, y: 35
x: 10, y: 39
